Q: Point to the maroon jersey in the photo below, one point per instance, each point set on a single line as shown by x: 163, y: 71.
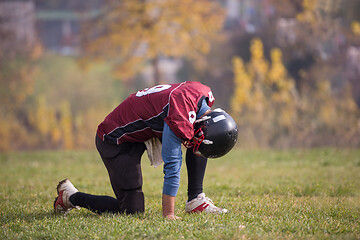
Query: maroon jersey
x: 141, y: 116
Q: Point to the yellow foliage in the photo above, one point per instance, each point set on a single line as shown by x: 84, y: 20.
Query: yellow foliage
x: 86, y: 124
x: 309, y: 5
x: 348, y: 103
x: 282, y: 85
x: 355, y: 27
x: 286, y: 117
x: 263, y: 93
x: 325, y: 110
x: 323, y: 87
x: 66, y: 126
x: 41, y: 116
x: 45, y: 122
x: 144, y: 30
x: 12, y: 133
x: 242, y: 86
x: 16, y: 84
x: 54, y: 131
x: 258, y: 64
x: 257, y: 103
x: 277, y: 70
x: 308, y: 15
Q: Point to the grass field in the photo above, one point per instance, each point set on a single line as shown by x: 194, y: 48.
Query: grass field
x: 293, y: 194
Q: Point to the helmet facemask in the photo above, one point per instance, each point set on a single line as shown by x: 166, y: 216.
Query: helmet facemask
x: 197, y: 140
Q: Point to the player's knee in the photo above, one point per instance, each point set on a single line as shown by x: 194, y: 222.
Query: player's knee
x: 133, y: 202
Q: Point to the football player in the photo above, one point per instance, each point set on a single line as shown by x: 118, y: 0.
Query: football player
x: 158, y: 119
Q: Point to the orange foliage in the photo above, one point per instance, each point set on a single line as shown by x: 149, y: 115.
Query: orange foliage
x: 133, y: 32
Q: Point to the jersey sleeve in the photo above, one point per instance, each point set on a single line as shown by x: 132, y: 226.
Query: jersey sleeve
x: 181, y: 117
x: 184, y: 103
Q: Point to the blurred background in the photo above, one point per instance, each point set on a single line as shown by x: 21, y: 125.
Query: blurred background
x: 288, y: 71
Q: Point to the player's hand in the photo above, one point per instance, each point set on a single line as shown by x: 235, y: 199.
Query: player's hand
x: 172, y: 217
x: 168, y: 206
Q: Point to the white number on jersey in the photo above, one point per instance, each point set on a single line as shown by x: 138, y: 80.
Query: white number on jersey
x: 155, y: 89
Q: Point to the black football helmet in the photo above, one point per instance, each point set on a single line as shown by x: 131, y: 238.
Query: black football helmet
x: 215, y: 134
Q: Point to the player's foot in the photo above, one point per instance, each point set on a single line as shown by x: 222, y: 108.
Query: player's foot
x: 203, y: 204
x: 62, y: 202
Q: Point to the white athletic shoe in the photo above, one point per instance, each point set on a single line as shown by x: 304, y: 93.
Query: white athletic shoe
x: 62, y: 202
x: 203, y: 204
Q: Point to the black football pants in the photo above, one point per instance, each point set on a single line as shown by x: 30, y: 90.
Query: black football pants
x: 123, y: 163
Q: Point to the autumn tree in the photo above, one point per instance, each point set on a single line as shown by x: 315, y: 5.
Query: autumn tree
x: 132, y: 33
x: 18, y: 51
x: 264, y: 100
x: 270, y: 112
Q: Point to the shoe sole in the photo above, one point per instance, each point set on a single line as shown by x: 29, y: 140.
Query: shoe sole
x: 58, y: 192
x: 55, y: 203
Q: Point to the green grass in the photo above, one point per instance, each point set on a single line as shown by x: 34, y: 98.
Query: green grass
x: 293, y: 194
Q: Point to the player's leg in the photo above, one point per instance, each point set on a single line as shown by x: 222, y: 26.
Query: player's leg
x: 197, y: 201
x: 196, y: 166
x: 123, y: 164
x: 124, y: 170
x: 69, y: 197
x: 95, y: 203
